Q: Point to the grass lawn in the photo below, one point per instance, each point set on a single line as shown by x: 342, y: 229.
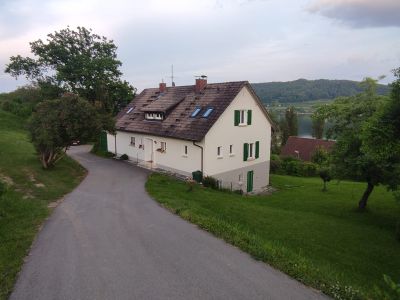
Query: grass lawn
x: 316, y: 237
x: 25, y: 204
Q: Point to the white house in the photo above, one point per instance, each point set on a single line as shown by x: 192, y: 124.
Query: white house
x: 221, y: 129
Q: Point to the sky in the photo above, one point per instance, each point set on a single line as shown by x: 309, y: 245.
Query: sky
x: 227, y: 40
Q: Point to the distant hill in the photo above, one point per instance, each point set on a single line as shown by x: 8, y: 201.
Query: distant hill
x: 302, y: 90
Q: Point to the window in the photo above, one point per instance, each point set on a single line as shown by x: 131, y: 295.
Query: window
x: 251, y: 151
x: 154, y: 116
x: 242, y: 117
x: 133, y: 141
x: 196, y: 112
x: 208, y: 112
x: 185, y: 151
x: 163, y: 146
x: 219, y: 152
x: 129, y: 110
x: 230, y: 150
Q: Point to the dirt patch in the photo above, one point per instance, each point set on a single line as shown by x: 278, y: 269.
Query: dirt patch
x: 33, y: 179
x: 6, y: 179
x: 28, y: 195
x: 30, y: 175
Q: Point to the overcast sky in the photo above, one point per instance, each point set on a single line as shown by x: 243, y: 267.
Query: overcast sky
x: 255, y: 40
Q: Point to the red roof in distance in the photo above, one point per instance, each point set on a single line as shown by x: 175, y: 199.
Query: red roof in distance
x: 304, y: 148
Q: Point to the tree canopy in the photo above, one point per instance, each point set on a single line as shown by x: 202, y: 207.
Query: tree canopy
x: 302, y: 90
x: 57, y: 123
x: 77, y: 61
x: 350, y: 118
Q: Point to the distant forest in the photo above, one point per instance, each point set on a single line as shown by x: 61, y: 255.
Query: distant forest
x: 302, y: 90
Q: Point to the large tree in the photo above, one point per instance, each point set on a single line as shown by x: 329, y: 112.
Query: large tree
x: 349, y: 116
x: 382, y: 137
x: 57, y: 123
x: 77, y: 61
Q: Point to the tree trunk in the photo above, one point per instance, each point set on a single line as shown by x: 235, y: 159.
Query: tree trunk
x: 363, y: 202
x: 43, y: 160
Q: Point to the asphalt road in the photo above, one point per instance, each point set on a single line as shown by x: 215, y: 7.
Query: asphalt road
x: 109, y: 240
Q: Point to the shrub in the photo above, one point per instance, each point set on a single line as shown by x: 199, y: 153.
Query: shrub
x: 124, y: 157
x: 6, y: 106
x: 211, y: 182
x: 307, y: 169
x: 275, y: 164
x: 290, y: 166
x: 109, y: 154
x: 320, y: 156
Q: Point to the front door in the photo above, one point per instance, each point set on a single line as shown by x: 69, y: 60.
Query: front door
x: 148, y: 150
x: 250, y: 175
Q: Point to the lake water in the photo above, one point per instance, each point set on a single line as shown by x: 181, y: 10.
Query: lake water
x: 304, y: 124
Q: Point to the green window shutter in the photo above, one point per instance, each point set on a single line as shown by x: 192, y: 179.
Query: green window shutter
x: 257, y: 149
x: 245, y: 151
x: 249, y: 117
x: 237, y: 117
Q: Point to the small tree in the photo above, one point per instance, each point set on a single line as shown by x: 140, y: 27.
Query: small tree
x: 318, y: 125
x: 325, y: 174
x: 289, y: 126
x: 320, y: 156
x: 56, y: 123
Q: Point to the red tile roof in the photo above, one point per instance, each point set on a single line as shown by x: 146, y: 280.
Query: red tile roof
x: 304, y: 148
x: 178, y: 103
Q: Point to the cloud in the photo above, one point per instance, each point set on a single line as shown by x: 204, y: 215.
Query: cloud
x: 255, y: 40
x: 359, y: 13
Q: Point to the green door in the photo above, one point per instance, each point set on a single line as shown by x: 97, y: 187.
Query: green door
x: 250, y: 181
x: 103, y: 141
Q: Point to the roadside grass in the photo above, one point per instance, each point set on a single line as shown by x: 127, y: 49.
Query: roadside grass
x: 24, y: 205
x: 317, y: 237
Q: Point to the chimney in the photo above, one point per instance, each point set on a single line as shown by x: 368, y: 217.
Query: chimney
x: 163, y: 87
x: 201, y: 83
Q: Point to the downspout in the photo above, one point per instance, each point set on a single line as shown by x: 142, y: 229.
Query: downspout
x: 115, y: 144
x: 202, y: 150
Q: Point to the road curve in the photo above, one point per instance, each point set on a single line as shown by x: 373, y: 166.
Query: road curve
x: 109, y: 240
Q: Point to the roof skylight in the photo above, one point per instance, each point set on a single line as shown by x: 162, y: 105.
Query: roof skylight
x: 129, y: 110
x: 208, y: 112
x: 196, y: 112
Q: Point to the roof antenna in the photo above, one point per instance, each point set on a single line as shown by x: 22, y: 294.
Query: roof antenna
x: 172, y: 75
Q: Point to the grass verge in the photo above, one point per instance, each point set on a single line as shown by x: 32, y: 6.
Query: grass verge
x: 317, y: 237
x: 24, y: 205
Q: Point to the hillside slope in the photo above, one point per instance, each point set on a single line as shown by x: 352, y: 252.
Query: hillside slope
x: 24, y: 205
x: 307, y: 90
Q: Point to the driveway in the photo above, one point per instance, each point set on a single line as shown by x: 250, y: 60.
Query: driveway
x: 109, y: 240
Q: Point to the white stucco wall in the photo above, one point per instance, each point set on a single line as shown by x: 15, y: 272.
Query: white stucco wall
x: 224, y: 133
x: 172, y: 159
